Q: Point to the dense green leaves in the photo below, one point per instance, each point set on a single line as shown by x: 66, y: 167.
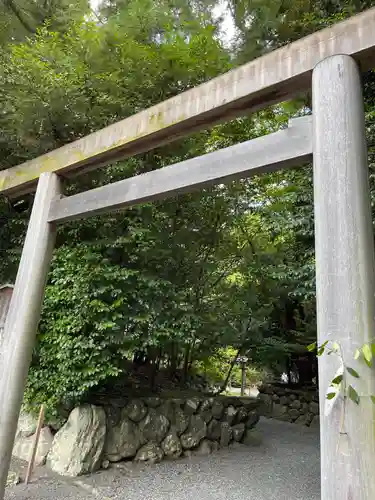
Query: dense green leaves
x: 183, y: 284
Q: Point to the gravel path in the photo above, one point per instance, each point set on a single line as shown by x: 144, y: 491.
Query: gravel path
x: 284, y: 467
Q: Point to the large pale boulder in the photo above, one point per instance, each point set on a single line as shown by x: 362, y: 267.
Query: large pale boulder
x: 123, y: 440
x: 78, y: 446
x: 23, y: 446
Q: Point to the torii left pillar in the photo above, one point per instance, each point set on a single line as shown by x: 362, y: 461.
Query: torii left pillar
x: 23, y: 316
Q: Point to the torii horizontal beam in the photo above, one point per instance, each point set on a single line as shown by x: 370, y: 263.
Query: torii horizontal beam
x: 282, y: 149
x: 272, y: 78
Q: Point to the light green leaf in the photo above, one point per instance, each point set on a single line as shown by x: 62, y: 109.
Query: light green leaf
x: 373, y: 399
x: 352, y: 372
x: 311, y: 347
x: 357, y: 354
x: 337, y: 380
x: 353, y: 394
x: 331, y: 395
x: 367, y: 354
x: 335, y: 346
x: 322, y: 348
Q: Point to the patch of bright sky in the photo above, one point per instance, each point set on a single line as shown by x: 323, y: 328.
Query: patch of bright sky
x: 227, y: 26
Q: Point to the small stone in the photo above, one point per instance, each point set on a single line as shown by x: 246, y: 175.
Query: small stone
x: 314, y: 408
x: 252, y: 437
x: 125, y: 466
x: 195, y: 432
x: 238, y: 431
x: 305, y: 407
x: 106, y: 464
x: 191, y: 406
x: 123, y: 440
x: 150, y: 453
x: 214, y: 430
x: 180, y: 421
x: 230, y: 414
x: 27, y: 424
x: 309, y: 417
x: 204, y: 449
x: 301, y: 420
x: 205, y: 405
x: 308, y: 397
x: 226, y: 434
x: 217, y: 410
x: 294, y: 414
x: 295, y: 404
x: 153, y: 402
x: 205, y: 411
x: 153, y: 427
x: 276, y: 398
x: 252, y: 419
x: 13, y: 479
x: 283, y: 400
x: 171, y: 445
x: 135, y: 410
x: 292, y: 397
x: 242, y: 415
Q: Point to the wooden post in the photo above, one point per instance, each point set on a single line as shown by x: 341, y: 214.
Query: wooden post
x: 39, y: 426
x: 243, y: 378
x: 345, y: 275
x: 23, y: 316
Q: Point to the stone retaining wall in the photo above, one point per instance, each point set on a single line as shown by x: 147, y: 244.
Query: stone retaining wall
x: 300, y: 406
x: 149, y: 430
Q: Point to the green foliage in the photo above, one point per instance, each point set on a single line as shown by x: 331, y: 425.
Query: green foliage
x: 22, y: 18
x: 187, y: 283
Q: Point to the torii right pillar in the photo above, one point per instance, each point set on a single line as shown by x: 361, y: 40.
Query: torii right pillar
x: 345, y: 276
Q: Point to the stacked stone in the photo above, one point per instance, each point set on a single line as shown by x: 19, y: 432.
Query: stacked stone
x: 149, y: 430
x: 289, y: 405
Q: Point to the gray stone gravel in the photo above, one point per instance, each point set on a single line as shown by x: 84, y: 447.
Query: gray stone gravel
x: 284, y: 467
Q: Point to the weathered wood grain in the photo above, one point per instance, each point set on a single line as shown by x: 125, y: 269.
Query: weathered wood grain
x: 345, y: 276
x: 286, y: 148
x: 23, y: 317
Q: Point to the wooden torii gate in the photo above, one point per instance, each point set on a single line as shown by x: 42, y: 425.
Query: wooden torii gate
x: 327, y: 61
